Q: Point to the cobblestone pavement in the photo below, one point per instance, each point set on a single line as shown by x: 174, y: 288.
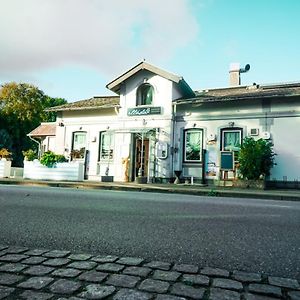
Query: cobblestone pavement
x: 37, y: 274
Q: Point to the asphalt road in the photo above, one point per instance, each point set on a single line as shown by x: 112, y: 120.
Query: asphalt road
x: 243, y: 234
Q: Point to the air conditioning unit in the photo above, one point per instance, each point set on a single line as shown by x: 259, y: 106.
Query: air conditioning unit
x: 266, y: 135
x: 254, y: 131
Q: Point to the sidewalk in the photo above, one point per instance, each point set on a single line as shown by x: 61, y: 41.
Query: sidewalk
x: 196, y: 189
x: 36, y: 274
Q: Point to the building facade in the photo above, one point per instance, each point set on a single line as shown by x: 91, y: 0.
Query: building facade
x: 157, y: 126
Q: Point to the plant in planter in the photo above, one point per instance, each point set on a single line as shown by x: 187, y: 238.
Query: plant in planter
x: 5, y: 154
x: 30, y: 154
x: 49, y: 159
x: 75, y: 154
x: 256, y: 158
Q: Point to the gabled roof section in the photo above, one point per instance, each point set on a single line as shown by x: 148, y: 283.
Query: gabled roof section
x: 45, y: 129
x: 92, y: 103
x: 116, y: 83
x: 244, y: 92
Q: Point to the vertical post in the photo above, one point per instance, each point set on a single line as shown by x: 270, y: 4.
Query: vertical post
x: 140, y: 172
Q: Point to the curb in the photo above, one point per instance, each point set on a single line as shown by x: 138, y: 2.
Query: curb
x: 184, y: 190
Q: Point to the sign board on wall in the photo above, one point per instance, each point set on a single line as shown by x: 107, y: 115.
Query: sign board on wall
x: 227, y: 160
x: 144, y: 111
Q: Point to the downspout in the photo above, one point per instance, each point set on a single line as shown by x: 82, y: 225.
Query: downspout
x: 39, y: 146
x: 173, y: 137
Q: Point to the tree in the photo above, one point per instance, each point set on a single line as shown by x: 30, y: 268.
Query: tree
x: 22, y: 109
x: 256, y: 158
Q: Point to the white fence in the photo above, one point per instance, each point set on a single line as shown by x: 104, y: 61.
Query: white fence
x: 72, y: 171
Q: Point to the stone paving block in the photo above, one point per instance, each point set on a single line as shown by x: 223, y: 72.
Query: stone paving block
x: 38, y: 270
x: 181, y: 289
x: 110, y: 267
x: 249, y: 296
x: 169, y: 297
x: 137, y: 271
x: 9, y: 279
x: 93, y: 276
x: 3, y: 252
x: 185, y: 268
x: 35, y: 260
x: 80, y: 257
x: 97, y: 291
x: 284, y: 282
x: 56, y: 254
x: 105, y: 258
x: 69, y: 273
x: 83, y: 265
x: 32, y: 295
x: 215, y: 272
x: 13, y: 257
x: 36, y: 252
x: 294, y: 295
x: 161, y: 265
x: 13, y: 268
x: 127, y: 294
x: 156, y: 286
x: 265, y: 289
x: 70, y: 298
x: 56, y: 262
x: 228, y: 284
x: 36, y: 283
x: 16, y: 250
x: 166, y: 275
x: 195, y: 279
x: 218, y: 294
x: 246, y: 277
x: 130, y: 261
x: 5, y: 292
x: 121, y: 280
x: 64, y: 286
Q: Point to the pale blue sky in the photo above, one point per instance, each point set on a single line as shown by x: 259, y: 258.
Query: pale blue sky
x: 73, y: 48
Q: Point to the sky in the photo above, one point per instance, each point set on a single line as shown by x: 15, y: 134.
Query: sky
x: 73, y: 48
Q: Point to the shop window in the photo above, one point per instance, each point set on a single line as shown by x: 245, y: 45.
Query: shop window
x: 145, y: 94
x: 106, y: 146
x: 193, y: 145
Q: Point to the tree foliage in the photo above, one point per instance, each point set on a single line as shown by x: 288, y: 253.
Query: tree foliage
x: 256, y: 158
x: 22, y: 108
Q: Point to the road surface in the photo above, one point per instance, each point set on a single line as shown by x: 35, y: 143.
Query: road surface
x: 243, y: 234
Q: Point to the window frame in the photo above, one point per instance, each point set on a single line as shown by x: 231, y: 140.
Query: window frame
x: 139, y: 95
x: 73, y: 139
x: 185, y: 133
x: 230, y: 129
x: 111, y: 146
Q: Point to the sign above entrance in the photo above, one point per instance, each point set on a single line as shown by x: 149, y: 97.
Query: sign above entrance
x: 144, y: 111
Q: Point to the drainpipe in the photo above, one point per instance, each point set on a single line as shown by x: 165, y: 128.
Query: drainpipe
x: 173, y: 138
x: 39, y: 146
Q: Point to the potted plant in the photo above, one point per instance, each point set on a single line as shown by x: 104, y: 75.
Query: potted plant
x: 53, y: 167
x: 30, y: 154
x: 256, y: 158
x: 5, y: 162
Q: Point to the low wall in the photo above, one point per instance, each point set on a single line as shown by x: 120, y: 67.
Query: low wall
x: 5, y: 166
x: 72, y: 171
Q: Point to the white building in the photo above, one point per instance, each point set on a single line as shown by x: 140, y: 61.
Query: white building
x: 156, y: 124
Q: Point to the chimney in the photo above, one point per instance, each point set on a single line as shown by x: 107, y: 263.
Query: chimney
x: 235, y: 73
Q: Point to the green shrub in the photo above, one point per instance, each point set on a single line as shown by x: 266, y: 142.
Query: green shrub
x: 49, y: 159
x: 30, y: 154
x: 256, y: 158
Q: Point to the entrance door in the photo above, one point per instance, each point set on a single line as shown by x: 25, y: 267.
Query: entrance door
x: 141, y: 157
